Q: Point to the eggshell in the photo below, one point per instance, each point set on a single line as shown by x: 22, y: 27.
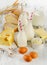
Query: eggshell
x: 34, y: 54
x: 27, y: 58
x: 22, y: 50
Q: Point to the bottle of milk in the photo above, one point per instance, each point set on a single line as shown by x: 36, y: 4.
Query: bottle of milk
x: 20, y: 37
x: 29, y: 31
x: 27, y: 25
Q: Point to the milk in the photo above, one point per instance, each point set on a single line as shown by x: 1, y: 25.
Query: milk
x: 21, y: 39
x: 29, y: 31
x: 27, y: 25
x: 38, y: 18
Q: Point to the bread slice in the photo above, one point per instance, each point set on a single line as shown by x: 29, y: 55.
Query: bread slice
x: 16, y: 12
x: 11, y: 26
x: 11, y: 18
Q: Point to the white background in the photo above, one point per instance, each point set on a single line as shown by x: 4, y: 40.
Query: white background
x: 42, y: 60
x: 43, y: 3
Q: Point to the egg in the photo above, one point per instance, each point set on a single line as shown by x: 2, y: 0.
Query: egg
x: 22, y: 50
x: 34, y: 54
x: 27, y: 58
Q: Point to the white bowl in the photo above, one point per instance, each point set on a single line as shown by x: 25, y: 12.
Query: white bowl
x: 37, y: 43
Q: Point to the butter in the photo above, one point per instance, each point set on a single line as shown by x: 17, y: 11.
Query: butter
x: 42, y: 33
x: 6, y: 37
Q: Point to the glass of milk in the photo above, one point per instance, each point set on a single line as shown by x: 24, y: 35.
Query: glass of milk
x: 38, y: 17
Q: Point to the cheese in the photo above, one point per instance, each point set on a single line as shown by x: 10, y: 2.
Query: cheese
x: 7, y: 37
x: 41, y: 32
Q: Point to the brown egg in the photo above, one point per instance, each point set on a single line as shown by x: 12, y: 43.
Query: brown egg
x: 27, y: 58
x: 22, y: 50
x: 34, y: 54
